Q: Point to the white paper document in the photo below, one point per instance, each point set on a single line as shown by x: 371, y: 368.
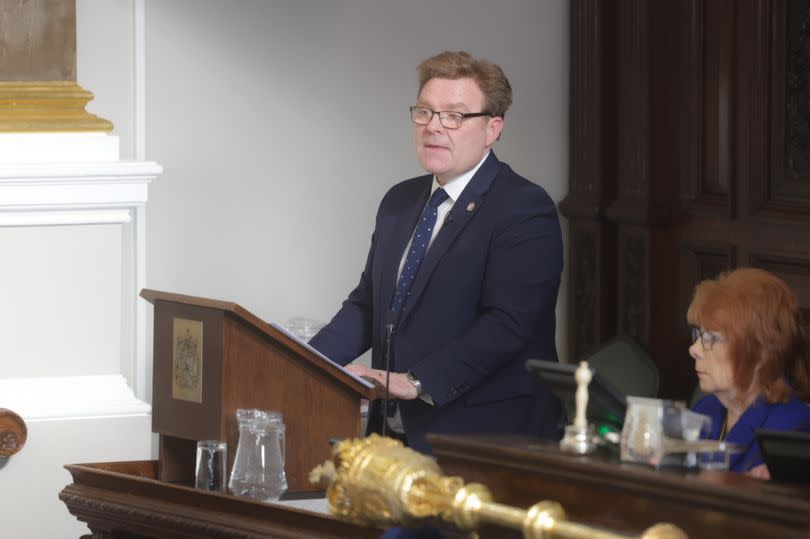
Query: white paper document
x: 303, y: 343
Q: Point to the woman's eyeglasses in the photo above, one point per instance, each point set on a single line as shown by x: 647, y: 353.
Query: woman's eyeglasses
x: 707, y: 338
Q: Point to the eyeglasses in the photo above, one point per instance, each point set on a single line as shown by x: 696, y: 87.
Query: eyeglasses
x: 707, y: 338
x: 448, y: 118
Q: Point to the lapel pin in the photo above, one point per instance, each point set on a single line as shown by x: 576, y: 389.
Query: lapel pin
x: 470, y: 206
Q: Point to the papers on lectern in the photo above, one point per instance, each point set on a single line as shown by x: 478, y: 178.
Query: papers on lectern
x: 303, y: 343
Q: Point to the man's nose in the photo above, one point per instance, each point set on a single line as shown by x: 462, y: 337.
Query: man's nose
x: 435, y: 124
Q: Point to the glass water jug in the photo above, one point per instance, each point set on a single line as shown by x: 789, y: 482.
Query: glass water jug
x: 258, y: 468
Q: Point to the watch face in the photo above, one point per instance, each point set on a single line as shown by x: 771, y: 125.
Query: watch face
x: 416, y: 383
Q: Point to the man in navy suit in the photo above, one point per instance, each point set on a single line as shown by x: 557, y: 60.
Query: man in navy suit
x: 470, y: 311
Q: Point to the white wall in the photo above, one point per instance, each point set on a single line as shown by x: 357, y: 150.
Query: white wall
x: 281, y: 123
x: 57, y: 270
x: 105, y: 63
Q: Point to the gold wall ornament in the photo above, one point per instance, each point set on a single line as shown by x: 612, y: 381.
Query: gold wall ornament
x: 37, y: 40
x: 47, y: 106
x: 377, y: 481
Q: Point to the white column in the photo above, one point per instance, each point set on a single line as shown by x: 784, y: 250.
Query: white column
x: 73, y: 352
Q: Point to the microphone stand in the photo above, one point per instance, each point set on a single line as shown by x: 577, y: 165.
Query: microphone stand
x: 390, y: 322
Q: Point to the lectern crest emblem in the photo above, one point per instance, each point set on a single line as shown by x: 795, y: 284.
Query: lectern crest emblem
x: 187, y: 368
x: 187, y: 360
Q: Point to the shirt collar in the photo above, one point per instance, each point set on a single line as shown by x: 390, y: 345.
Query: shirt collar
x: 454, y: 187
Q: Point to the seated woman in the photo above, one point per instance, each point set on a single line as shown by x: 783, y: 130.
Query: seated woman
x: 751, y: 357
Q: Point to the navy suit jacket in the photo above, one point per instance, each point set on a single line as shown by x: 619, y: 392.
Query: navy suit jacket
x: 482, y: 303
x: 793, y: 415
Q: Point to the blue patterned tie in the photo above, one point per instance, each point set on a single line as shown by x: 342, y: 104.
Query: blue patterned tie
x: 419, y: 246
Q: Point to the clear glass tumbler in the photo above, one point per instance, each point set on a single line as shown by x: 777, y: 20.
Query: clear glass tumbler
x: 211, y: 469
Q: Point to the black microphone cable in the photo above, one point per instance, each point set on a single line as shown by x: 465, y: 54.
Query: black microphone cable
x: 390, y: 322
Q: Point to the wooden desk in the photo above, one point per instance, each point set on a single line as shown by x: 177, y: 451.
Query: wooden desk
x: 124, y: 500
x: 600, y: 491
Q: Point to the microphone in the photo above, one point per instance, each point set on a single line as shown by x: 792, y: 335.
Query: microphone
x: 390, y: 323
x: 449, y: 218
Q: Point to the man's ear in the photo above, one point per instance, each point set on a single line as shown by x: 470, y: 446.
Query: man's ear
x: 494, y: 128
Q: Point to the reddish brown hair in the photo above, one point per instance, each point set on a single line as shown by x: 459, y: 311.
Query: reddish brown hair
x: 759, y: 316
x: 459, y: 65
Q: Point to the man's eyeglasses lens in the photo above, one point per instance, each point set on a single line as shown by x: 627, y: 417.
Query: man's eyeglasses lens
x: 449, y: 119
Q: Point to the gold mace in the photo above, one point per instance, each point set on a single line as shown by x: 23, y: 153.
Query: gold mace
x: 377, y: 481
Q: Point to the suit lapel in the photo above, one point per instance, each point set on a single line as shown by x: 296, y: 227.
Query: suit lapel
x: 467, y: 205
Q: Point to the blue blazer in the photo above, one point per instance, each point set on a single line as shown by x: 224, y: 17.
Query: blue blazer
x: 793, y: 415
x: 482, y: 303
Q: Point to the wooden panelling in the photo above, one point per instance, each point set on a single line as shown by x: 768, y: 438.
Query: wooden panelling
x: 592, y: 180
x: 634, y: 283
x: 592, y: 246
x: 794, y: 271
x: 625, y: 498
x: 699, y: 262
x: 124, y: 500
x: 787, y: 188
x: 710, y: 167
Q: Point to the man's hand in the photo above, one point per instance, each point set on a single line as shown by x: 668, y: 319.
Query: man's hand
x: 399, y: 386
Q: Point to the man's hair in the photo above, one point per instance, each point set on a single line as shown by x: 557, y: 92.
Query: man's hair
x: 459, y: 65
x: 759, y: 315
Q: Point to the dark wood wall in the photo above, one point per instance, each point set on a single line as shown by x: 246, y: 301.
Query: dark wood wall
x: 689, y: 154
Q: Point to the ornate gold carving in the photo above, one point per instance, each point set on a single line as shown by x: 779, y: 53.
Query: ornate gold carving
x: 377, y: 481
x: 56, y: 106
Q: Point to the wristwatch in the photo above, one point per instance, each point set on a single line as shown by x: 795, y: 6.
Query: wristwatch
x: 416, y: 383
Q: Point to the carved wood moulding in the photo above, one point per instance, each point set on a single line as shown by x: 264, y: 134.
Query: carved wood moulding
x: 592, y: 114
x: 797, y: 108
x: 692, y: 80
x: 585, y: 292
x: 700, y: 262
x: 633, y: 284
x: 634, y: 100
x: 795, y: 271
x: 710, y: 160
x: 586, y: 99
x: 124, y: 500
x: 785, y: 190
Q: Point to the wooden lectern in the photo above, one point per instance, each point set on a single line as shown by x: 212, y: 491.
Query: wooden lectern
x: 214, y: 357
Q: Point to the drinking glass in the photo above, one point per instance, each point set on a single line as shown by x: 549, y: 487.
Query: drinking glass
x: 211, y: 469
